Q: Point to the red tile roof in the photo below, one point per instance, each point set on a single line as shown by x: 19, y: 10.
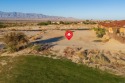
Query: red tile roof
x: 113, y: 24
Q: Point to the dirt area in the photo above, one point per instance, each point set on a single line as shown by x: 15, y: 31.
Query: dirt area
x: 84, y: 39
x: 81, y: 38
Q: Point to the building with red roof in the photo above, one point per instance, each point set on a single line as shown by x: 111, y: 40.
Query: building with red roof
x: 115, y: 29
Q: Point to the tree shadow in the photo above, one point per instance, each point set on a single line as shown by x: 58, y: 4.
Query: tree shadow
x: 51, y: 40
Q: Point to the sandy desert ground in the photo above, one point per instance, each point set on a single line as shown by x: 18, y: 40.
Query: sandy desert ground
x: 81, y: 38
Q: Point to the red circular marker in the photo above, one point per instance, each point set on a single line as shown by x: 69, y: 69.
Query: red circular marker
x: 69, y: 34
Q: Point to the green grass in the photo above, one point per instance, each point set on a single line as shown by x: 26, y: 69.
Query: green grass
x: 36, y: 69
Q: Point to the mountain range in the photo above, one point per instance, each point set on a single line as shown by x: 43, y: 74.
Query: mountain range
x: 30, y: 16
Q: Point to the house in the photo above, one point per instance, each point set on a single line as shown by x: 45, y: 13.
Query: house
x: 115, y: 29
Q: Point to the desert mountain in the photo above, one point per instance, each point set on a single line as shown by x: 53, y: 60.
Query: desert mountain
x: 30, y: 16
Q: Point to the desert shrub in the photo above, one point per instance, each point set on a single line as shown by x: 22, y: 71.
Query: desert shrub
x: 89, y: 22
x: 43, y: 48
x: 44, y: 23
x: 100, y: 32
x: 69, y: 52
x: 2, y: 25
x: 49, y: 22
x: 61, y: 22
x: 37, y: 47
x: 66, y: 23
x: 15, y: 41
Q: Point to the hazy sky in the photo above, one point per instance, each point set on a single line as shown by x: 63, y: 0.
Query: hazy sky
x: 84, y: 9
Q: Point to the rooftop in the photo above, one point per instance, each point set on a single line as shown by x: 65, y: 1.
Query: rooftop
x: 113, y: 24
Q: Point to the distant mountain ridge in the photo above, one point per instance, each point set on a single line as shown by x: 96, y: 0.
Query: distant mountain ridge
x: 30, y: 16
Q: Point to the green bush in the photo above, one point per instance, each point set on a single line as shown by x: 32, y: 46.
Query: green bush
x: 100, y: 32
x: 2, y: 25
x: 37, y: 47
x: 61, y: 22
x: 49, y: 22
x: 44, y: 23
x: 42, y: 47
x: 89, y: 22
x: 66, y: 23
x: 15, y: 41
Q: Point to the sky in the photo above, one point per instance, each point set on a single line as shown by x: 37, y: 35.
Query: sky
x: 82, y: 9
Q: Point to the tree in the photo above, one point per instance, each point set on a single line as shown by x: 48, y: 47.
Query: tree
x: 49, y: 22
x: 61, y: 22
x: 100, y: 32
